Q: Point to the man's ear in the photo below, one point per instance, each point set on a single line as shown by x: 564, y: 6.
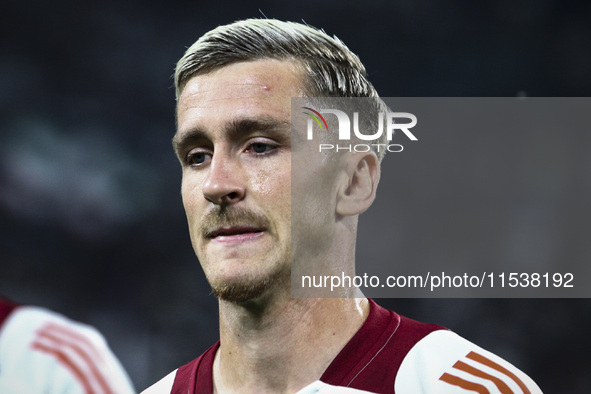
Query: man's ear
x: 363, y: 175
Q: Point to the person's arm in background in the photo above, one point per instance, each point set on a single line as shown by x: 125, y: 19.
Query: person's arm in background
x: 44, y: 352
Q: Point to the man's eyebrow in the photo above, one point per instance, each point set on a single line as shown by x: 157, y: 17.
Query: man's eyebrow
x: 180, y: 140
x: 248, y: 125
x: 233, y: 129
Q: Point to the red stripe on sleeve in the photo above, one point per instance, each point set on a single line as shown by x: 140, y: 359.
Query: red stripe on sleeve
x: 483, y: 360
x: 62, y: 343
x: 65, y: 360
x: 466, y: 385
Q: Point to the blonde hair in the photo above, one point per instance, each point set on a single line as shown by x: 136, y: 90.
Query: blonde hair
x: 330, y: 68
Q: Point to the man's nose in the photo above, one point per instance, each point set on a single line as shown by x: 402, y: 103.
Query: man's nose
x: 224, y: 184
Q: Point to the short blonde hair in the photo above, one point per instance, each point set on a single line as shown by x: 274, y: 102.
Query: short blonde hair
x: 330, y: 68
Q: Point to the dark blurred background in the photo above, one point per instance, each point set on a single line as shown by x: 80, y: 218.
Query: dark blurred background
x: 91, y: 219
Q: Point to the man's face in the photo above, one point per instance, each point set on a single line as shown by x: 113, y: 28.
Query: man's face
x: 233, y: 141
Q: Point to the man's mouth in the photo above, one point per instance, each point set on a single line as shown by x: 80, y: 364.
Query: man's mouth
x: 235, y: 233
x: 233, y: 225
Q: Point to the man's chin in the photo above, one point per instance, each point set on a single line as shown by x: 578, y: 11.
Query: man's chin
x: 252, y: 289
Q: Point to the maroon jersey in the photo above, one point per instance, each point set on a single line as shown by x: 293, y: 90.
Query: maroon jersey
x: 5, y: 308
x: 390, y: 353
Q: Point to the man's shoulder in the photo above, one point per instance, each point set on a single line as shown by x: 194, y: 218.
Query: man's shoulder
x: 394, y: 336
x: 370, y: 360
x: 444, y: 362
x: 393, y: 353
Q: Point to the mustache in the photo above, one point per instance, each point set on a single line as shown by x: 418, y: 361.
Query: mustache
x: 231, y: 217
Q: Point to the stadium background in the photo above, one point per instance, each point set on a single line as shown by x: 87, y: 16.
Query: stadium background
x: 91, y: 220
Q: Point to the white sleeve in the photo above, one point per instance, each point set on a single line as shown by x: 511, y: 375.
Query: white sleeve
x: 445, y: 363
x: 163, y: 386
x: 44, y: 352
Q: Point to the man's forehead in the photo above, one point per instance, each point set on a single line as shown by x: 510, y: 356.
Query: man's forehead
x: 241, y: 90
x: 209, y: 89
x: 266, y: 77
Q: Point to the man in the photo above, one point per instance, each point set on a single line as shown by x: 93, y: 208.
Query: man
x: 234, y: 88
x: 44, y: 352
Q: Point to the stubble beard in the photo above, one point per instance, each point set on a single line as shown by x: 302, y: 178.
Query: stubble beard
x: 252, y: 288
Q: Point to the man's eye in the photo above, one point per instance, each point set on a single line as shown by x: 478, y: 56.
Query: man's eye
x: 198, y: 158
x: 260, y: 147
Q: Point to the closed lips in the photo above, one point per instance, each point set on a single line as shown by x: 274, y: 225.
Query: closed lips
x: 235, y: 230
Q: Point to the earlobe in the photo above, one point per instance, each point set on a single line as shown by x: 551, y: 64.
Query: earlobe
x: 363, y: 175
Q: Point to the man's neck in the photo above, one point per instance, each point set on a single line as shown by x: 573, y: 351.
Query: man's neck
x: 282, y: 344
